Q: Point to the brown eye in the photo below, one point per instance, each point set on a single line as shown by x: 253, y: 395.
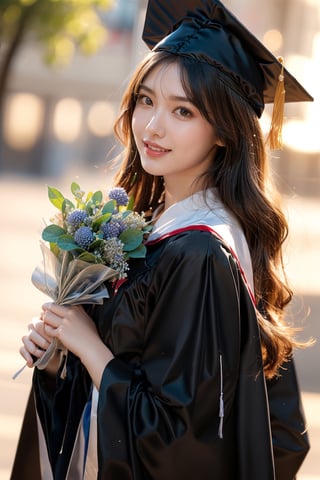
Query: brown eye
x: 184, y: 112
x: 143, y: 99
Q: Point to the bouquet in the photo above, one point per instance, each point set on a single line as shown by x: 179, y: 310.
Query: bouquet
x: 91, y: 240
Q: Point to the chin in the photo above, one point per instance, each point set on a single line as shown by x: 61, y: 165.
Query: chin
x: 151, y: 170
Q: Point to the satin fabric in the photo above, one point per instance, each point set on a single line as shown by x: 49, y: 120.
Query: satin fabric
x: 179, y: 312
x: 204, y: 208
x: 208, y: 32
x: 158, y: 413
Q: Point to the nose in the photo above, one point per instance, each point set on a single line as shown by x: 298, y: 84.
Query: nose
x: 156, y: 124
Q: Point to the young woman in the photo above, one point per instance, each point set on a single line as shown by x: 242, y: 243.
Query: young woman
x: 190, y: 360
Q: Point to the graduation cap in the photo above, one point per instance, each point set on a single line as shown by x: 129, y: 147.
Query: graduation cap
x: 208, y: 31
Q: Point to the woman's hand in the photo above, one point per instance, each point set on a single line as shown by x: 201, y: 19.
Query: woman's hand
x: 35, y: 342
x: 74, y: 328
x: 71, y: 325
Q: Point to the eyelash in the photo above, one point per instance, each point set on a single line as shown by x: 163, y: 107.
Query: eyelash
x: 145, y: 99
x: 186, y: 111
x: 142, y: 98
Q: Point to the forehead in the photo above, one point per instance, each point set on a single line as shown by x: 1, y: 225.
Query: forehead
x: 166, y: 78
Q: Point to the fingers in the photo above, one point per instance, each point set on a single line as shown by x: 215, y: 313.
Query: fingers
x: 49, y: 319
x: 58, y: 310
x: 35, y: 342
x: 54, y: 315
x: 29, y: 351
x: 27, y: 356
x: 39, y: 326
x: 52, y: 331
x: 71, y: 325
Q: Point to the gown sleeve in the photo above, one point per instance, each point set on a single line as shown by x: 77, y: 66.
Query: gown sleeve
x: 289, y: 433
x: 159, y: 400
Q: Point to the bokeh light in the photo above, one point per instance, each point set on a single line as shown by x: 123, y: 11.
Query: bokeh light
x: 101, y: 118
x: 67, y: 119
x: 273, y: 40
x: 23, y: 119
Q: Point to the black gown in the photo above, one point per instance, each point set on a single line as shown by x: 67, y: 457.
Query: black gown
x: 185, y: 396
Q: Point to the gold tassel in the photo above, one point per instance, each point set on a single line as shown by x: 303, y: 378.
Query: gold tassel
x: 274, y: 138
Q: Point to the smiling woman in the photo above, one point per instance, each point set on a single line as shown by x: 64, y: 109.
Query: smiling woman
x: 174, y: 139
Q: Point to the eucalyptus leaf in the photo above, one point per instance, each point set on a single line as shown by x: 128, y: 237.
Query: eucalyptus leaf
x: 131, y: 203
x: 52, y: 233
x: 66, y: 242
x: 97, y: 197
x: 87, y: 257
x: 109, y: 207
x: 54, y: 249
x: 67, y: 204
x: 90, y: 207
x: 126, y: 213
x: 139, y: 252
x: 75, y: 188
x: 88, y: 197
x: 96, y: 245
x: 131, y: 239
x: 55, y: 197
x: 99, y: 221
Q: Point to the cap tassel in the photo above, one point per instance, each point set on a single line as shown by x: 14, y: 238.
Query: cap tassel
x: 275, y: 134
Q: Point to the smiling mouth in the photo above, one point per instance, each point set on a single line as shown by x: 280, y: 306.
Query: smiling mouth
x: 155, y: 148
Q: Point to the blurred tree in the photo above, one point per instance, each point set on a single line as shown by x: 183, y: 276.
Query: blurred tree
x: 60, y: 26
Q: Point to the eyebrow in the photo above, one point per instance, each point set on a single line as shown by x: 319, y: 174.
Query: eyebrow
x: 171, y: 97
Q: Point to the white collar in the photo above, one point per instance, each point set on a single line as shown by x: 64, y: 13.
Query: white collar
x: 205, y: 208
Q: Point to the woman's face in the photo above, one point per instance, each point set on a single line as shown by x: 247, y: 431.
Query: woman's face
x: 173, y: 139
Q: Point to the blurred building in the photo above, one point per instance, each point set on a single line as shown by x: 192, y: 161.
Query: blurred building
x: 291, y: 29
x: 55, y: 119
x: 60, y: 119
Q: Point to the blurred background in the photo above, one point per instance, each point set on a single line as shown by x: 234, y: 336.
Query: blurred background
x: 63, y: 67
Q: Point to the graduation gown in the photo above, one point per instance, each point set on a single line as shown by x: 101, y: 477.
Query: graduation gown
x: 185, y: 395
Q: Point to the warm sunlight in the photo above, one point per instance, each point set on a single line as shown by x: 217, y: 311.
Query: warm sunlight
x: 23, y: 120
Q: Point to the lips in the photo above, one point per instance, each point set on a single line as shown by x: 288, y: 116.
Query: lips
x: 154, y: 147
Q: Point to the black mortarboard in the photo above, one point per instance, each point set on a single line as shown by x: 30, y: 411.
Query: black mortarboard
x: 207, y: 30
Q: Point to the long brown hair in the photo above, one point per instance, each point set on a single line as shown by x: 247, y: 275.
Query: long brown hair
x: 240, y: 174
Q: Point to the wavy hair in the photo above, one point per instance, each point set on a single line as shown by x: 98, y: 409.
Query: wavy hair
x: 240, y: 173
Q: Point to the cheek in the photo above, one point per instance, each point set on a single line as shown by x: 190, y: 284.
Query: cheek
x: 137, y: 123
x: 133, y: 122
x: 196, y: 139
x: 200, y: 144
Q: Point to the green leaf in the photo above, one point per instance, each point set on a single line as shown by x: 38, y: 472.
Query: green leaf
x: 99, y: 243
x: 126, y: 213
x: 131, y: 203
x: 54, y: 249
x: 89, y: 196
x: 97, y: 198
x: 103, y: 219
x: 52, y: 233
x: 139, y: 252
x: 131, y: 239
x: 109, y: 207
x: 67, y: 203
x: 56, y: 197
x: 66, y: 242
x: 87, y: 257
x: 75, y: 189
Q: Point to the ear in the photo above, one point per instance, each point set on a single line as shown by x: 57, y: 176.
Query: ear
x: 220, y: 143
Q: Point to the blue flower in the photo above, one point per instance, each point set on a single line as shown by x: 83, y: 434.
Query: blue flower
x: 83, y: 237
x: 75, y: 218
x: 111, y: 229
x: 119, y: 195
x: 84, y: 223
